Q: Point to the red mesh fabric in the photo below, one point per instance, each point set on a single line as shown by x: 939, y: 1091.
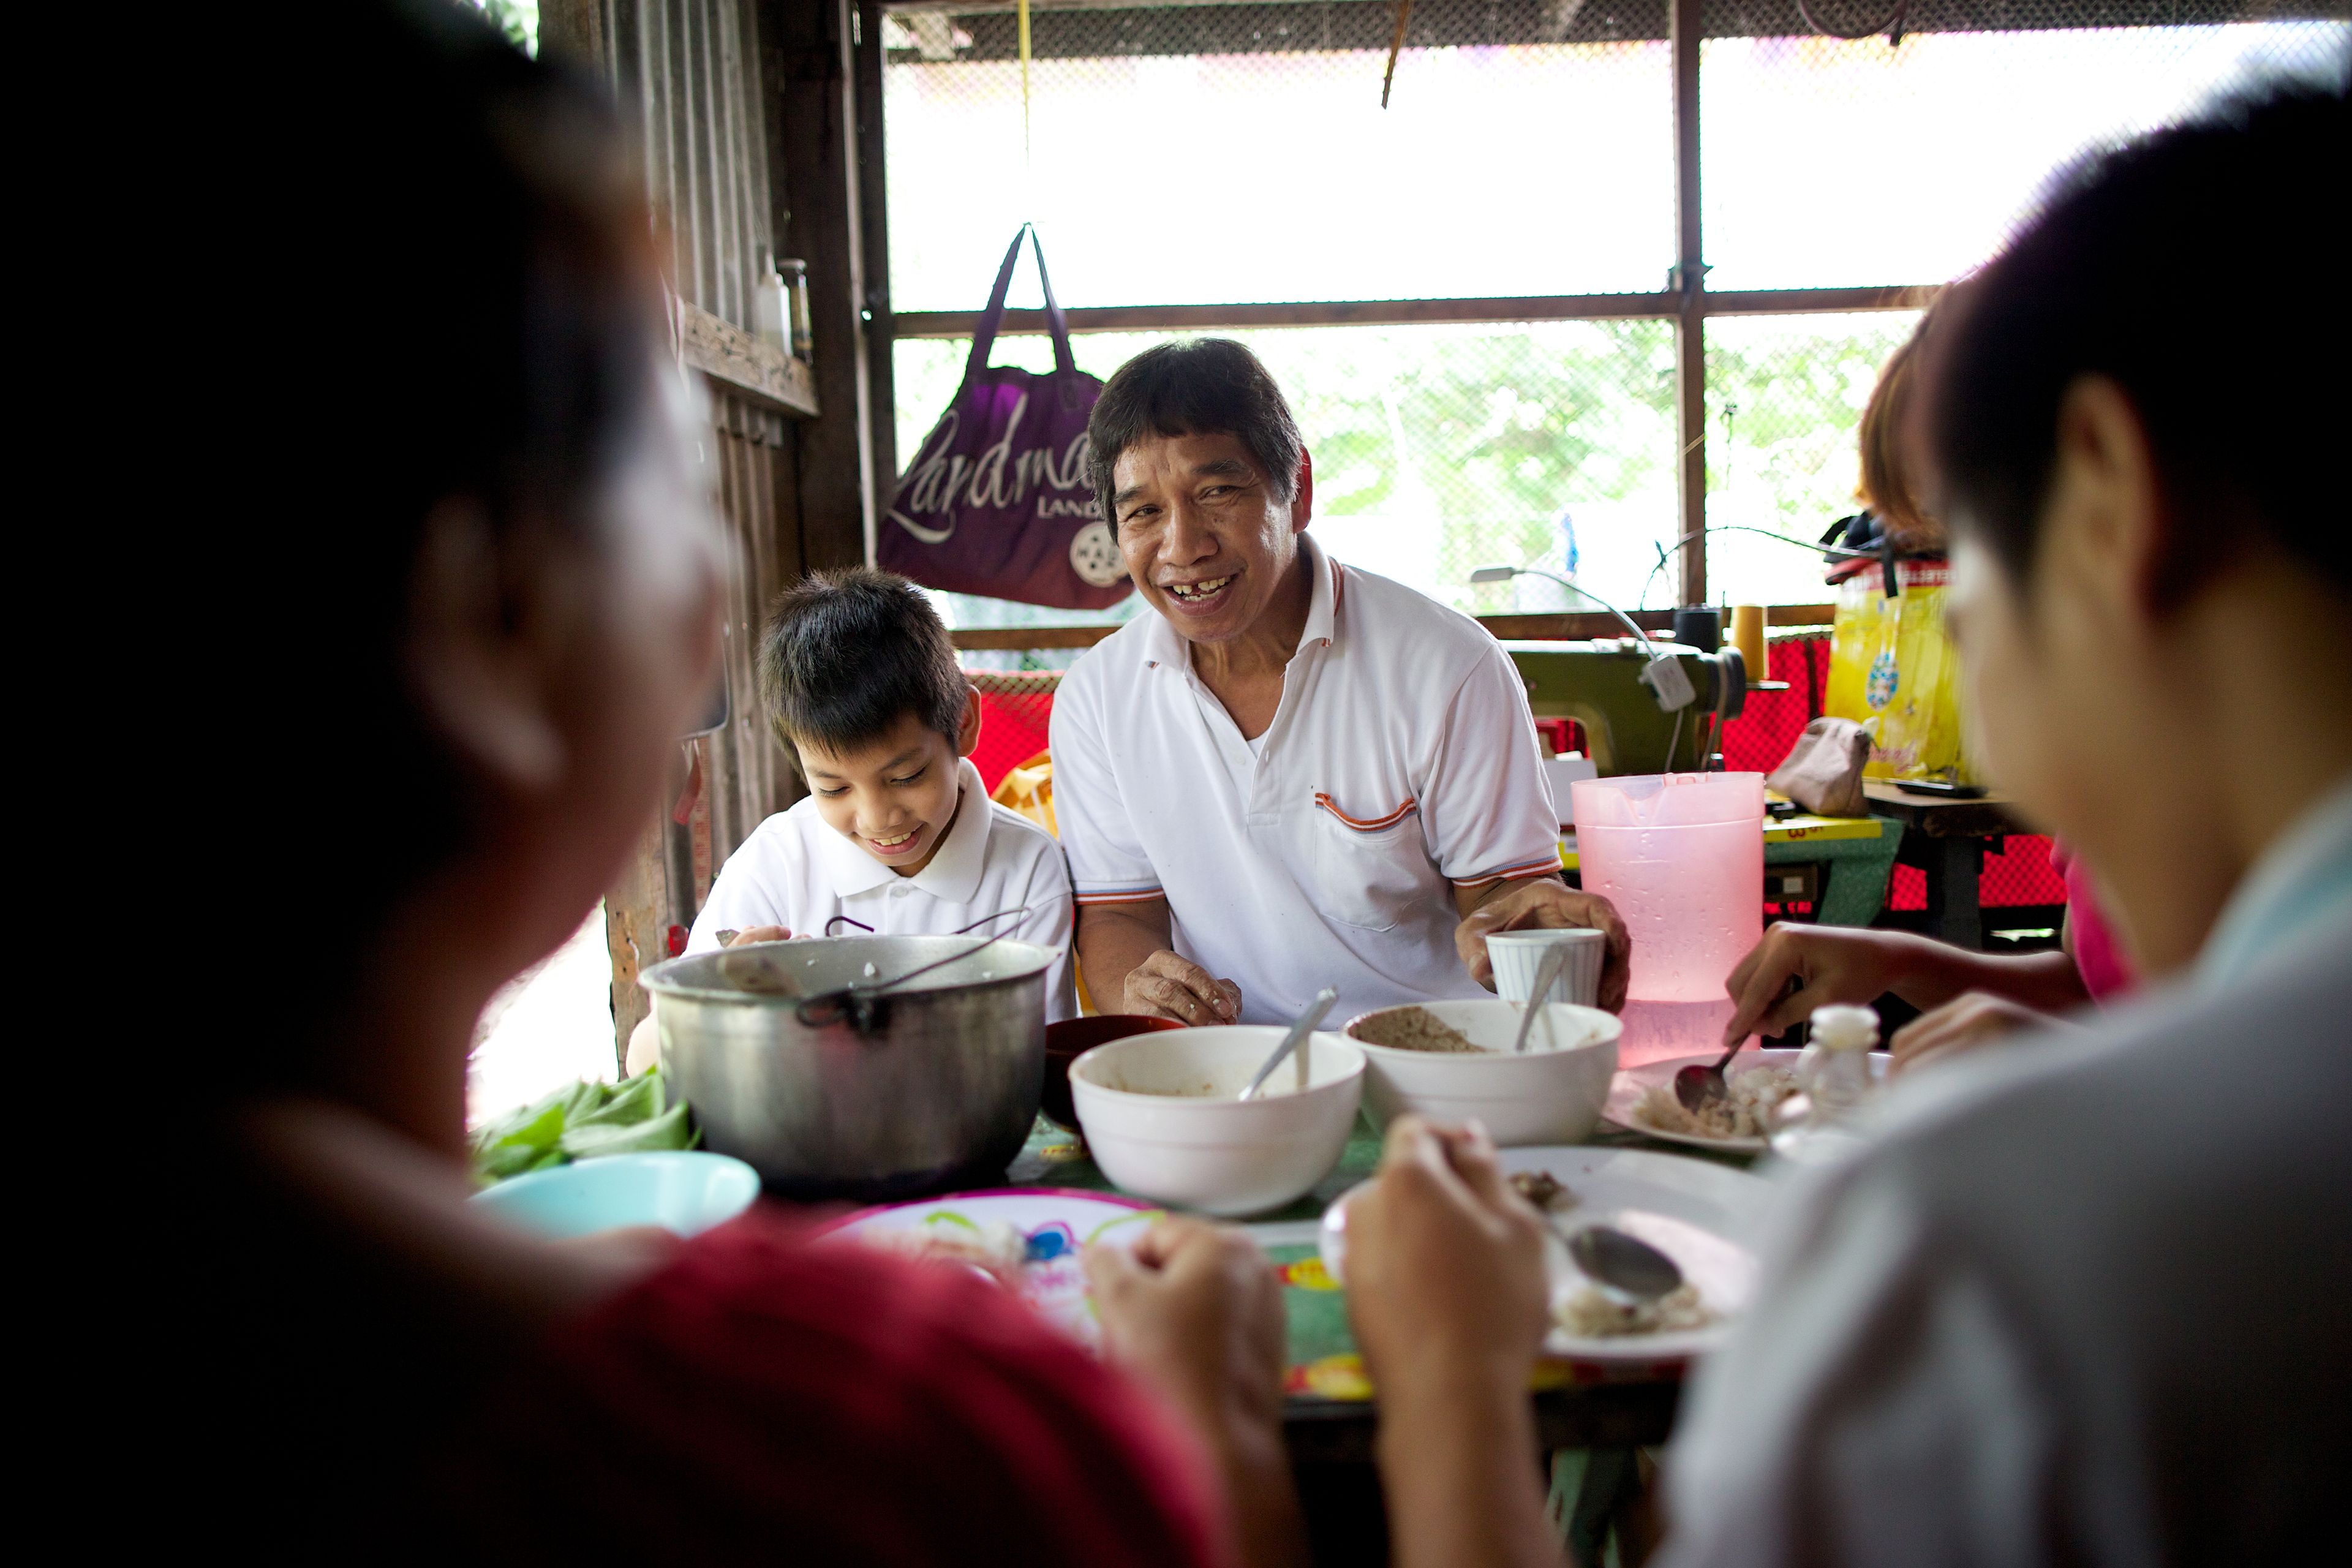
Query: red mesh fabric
x: 2019, y: 874
x: 1759, y: 739
x: 1015, y: 709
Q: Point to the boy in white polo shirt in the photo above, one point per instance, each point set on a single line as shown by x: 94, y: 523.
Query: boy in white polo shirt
x: 897, y: 833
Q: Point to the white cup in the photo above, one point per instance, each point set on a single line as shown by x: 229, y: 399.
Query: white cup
x: 1519, y: 954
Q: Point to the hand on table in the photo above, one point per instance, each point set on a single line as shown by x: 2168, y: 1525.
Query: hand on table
x: 1964, y: 1024
x: 1167, y: 986
x: 1543, y: 903
x: 1446, y: 1268
x: 1195, y: 1310
x: 1797, y: 968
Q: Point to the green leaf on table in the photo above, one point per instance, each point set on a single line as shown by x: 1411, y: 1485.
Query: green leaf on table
x: 500, y: 1129
x: 639, y: 1099
x: 587, y: 1096
x: 507, y: 1159
x: 670, y: 1130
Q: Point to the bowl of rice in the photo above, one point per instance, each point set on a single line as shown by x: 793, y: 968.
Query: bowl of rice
x: 1161, y: 1118
x: 1452, y: 1060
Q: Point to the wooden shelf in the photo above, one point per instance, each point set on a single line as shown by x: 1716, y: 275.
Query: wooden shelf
x: 744, y: 364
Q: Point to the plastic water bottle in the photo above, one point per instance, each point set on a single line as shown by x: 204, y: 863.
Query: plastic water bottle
x: 1833, y: 1076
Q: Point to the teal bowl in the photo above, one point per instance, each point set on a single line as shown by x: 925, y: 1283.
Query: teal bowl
x: 685, y: 1192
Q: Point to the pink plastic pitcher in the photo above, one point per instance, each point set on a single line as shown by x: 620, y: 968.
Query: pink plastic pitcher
x: 1682, y: 857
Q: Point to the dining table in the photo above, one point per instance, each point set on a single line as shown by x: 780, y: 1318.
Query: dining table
x: 1590, y: 1421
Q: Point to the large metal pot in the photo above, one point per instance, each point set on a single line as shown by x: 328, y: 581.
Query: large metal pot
x: 871, y: 1091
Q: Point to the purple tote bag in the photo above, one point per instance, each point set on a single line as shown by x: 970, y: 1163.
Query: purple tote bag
x: 997, y: 502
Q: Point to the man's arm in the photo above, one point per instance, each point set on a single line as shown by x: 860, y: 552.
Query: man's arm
x: 1797, y: 968
x: 1532, y: 903
x: 1126, y: 951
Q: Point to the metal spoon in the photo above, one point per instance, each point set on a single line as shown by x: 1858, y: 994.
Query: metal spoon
x: 1624, y: 1268
x: 1301, y: 1028
x: 1697, y: 1086
x: 1554, y: 960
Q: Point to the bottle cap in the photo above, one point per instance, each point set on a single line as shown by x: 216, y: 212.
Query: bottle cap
x: 1844, y: 1028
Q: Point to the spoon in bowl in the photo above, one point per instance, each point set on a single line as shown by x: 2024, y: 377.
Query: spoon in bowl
x: 1548, y: 968
x: 1304, y: 1026
x: 1626, y: 1269
x: 1697, y: 1088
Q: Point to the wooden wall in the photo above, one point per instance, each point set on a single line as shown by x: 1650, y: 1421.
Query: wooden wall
x: 736, y: 101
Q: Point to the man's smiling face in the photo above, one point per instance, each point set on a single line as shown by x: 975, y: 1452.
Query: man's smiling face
x: 1205, y: 534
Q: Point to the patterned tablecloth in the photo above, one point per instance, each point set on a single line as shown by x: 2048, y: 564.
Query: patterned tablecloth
x: 1324, y: 1363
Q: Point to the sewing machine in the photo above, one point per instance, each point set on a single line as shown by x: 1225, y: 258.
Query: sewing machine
x: 1598, y: 685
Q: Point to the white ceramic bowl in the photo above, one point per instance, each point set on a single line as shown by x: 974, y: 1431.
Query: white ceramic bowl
x: 1552, y: 1094
x: 1160, y: 1116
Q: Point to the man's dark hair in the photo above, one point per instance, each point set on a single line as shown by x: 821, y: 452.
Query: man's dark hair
x: 2155, y: 265
x: 1201, y: 386
x: 847, y: 654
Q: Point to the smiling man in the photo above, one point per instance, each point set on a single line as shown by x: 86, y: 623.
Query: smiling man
x: 1296, y: 774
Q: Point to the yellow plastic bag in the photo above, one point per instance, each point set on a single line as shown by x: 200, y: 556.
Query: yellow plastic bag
x: 1893, y: 671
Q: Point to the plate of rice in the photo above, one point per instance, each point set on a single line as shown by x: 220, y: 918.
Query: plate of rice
x: 1703, y: 1215
x: 1641, y: 1099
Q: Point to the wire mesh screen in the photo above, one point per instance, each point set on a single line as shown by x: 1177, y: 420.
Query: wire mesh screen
x: 1217, y: 154
x: 1784, y: 394
x: 1827, y: 162
x: 1437, y: 449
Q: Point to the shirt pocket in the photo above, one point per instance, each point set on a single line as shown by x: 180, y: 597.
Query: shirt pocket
x: 1370, y: 872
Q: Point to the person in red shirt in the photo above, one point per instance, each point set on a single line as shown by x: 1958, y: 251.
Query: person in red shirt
x: 464, y: 605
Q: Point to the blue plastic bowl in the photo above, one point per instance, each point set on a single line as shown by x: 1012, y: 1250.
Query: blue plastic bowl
x: 686, y: 1192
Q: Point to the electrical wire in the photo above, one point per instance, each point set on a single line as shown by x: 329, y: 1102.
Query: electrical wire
x: 1578, y: 588
x: 1666, y: 553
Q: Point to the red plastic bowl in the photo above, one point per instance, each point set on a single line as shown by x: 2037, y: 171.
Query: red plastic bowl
x: 1071, y: 1039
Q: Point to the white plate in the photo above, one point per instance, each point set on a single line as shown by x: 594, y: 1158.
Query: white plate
x: 1626, y: 1091
x: 1055, y: 1222
x: 1703, y: 1215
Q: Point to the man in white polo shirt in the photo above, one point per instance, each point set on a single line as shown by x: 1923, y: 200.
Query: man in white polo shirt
x: 1296, y: 774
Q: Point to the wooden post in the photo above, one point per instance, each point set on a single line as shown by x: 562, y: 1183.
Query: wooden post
x: 812, y: 62
x: 1689, y: 283
x: 873, y: 204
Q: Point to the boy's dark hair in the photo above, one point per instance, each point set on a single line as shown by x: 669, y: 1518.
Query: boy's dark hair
x: 2147, y: 265
x: 847, y: 652
x: 1201, y: 386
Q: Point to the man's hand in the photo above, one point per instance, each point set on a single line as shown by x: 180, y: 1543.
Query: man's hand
x: 1538, y: 903
x: 1966, y: 1023
x: 1446, y: 1269
x: 1167, y: 986
x: 1797, y: 968
x: 754, y: 934
x: 1195, y: 1310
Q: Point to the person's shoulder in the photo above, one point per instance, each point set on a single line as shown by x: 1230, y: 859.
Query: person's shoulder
x: 1395, y: 623
x: 1114, y: 658
x: 2045, y: 1158
x: 820, y: 1380
x: 782, y: 836
x: 2197, y: 1060
x: 1018, y: 842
